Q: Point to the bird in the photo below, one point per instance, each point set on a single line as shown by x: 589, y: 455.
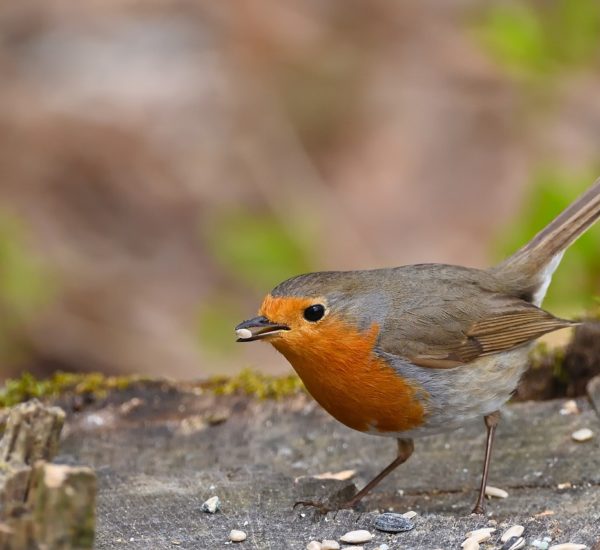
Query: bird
x: 416, y: 350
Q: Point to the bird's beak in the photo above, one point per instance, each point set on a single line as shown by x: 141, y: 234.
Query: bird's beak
x: 259, y: 327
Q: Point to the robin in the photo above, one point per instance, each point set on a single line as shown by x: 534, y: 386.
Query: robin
x: 417, y: 350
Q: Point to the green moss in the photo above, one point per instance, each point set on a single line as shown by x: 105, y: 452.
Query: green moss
x: 27, y: 387
x: 256, y: 384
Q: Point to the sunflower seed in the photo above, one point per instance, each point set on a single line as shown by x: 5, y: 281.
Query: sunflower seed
x: 393, y: 523
x: 481, y: 534
x: 470, y: 544
x: 568, y: 546
x: 495, y: 492
x: 585, y: 434
x: 314, y: 545
x: 514, y: 531
x: 356, y: 537
x: 514, y: 543
x: 330, y: 545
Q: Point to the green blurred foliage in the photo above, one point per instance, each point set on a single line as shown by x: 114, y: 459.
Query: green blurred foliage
x: 256, y: 251
x: 542, y: 40
x: 25, y: 286
x: 576, y: 282
x: 216, y: 319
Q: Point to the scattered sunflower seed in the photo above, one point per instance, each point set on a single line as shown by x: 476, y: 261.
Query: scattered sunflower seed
x: 237, y: 536
x: 514, y: 531
x: 568, y: 546
x: 470, y: 544
x: 212, y: 505
x: 393, y: 523
x: 356, y: 537
x: 585, y: 434
x: 495, y: 492
x: 481, y: 534
x: 330, y: 545
x: 340, y: 476
x: 314, y: 545
x: 514, y: 543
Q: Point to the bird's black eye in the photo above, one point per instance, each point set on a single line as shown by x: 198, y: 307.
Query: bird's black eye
x: 314, y: 313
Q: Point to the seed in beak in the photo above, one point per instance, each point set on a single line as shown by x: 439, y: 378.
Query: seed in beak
x: 243, y: 333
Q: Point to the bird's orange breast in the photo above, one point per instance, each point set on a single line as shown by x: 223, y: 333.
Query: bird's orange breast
x: 338, y: 367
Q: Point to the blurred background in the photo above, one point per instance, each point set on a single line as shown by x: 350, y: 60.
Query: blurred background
x: 164, y: 164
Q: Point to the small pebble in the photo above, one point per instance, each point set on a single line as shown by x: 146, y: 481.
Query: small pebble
x: 410, y: 514
x: 212, y: 505
x: 314, y: 545
x: 568, y: 546
x: 356, y: 537
x: 237, y: 536
x: 328, y: 544
x: 393, y: 523
x: 495, y: 492
x: 541, y: 544
x: 470, y: 544
x: 481, y: 534
x: 514, y: 531
x: 585, y: 434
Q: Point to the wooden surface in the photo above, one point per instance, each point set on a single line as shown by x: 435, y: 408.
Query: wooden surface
x: 160, y: 452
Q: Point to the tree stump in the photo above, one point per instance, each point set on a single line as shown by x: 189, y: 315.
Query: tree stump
x: 42, y: 505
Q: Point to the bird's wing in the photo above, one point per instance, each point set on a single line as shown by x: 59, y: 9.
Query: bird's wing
x: 449, y: 333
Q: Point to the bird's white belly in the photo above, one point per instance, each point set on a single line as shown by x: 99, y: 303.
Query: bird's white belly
x: 461, y: 394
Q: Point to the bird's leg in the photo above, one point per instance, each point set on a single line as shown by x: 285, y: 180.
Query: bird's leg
x: 491, y: 421
x: 405, y: 449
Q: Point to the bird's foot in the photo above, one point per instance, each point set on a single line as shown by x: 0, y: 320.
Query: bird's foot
x: 478, y: 510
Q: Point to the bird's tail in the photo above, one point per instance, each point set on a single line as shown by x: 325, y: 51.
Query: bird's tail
x: 531, y: 267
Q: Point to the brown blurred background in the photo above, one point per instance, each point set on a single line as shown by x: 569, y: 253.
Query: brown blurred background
x: 164, y: 164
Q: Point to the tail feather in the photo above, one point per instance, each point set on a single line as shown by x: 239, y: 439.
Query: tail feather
x: 530, y: 268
